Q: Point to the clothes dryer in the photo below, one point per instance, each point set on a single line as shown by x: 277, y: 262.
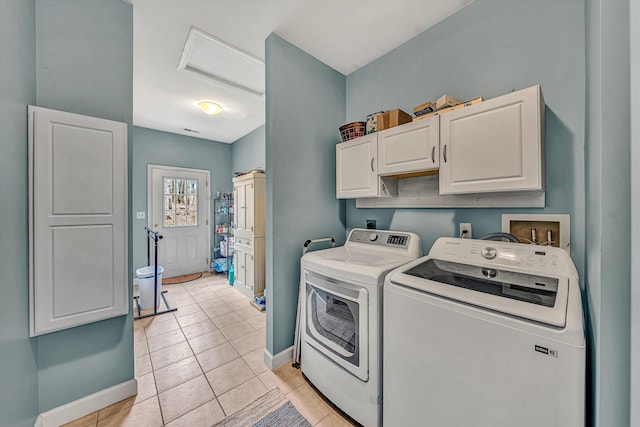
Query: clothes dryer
x: 342, y: 317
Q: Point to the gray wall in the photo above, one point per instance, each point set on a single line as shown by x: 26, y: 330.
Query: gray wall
x: 84, y: 65
x: 305, y: 107
x: 168, y: 149
x: 488, y: 49
x: 18, y: 364
x: 249, y: 151
x: 608, y: 208
x: 634, y: 29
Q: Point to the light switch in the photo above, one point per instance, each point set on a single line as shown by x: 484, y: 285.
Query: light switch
x: 139, y: 215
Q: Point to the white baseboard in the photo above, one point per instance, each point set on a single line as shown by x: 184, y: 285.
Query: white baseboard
x: 274, y: 362
x: 86, y: 405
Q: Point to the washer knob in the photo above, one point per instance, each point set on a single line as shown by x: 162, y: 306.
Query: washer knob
x: 373, y: 237
x: 489, y: 252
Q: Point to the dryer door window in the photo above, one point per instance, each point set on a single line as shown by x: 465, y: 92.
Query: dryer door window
x: 335, y: 318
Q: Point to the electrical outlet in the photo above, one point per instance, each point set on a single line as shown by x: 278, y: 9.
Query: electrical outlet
x: 139, y: 215
x: 371, y: 224
x: 465, y: 230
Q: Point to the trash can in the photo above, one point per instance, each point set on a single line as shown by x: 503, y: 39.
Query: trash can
x: 145, y: 286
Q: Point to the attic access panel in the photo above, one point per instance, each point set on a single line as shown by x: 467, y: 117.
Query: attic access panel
x: 218, y: 62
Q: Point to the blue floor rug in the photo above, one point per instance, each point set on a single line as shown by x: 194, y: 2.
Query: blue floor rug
x: 269, y: 410
x: 286, y: 415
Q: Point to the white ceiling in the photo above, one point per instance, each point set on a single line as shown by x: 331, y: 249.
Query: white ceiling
x: 345, y: 34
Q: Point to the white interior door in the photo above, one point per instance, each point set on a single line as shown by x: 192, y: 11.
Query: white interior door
x: 178, y: 209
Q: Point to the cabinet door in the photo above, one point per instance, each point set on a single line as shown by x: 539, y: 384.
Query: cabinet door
x: 78, y: 220
x: 239, y: 266
x: 497, y: 145
x: 249, y: 214
x: 412, y: 147
x: 356, y: 174
x: 249, y: 269
x: 241, y: 206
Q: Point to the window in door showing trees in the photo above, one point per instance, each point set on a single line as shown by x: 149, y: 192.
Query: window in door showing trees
x: 180, y: 202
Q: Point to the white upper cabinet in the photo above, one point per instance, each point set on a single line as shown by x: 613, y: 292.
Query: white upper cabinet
x: 356, y: 168
x: 494, y: 146
x: 412, y: 147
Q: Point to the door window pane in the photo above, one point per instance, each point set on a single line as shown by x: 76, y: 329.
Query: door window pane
x: 180, y: 202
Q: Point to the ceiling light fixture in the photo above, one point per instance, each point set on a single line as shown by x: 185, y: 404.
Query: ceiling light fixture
x: 210, y: 107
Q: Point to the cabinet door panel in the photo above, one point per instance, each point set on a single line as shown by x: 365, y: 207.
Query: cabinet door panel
x: 411, y: 147
x: 239, y: 269
x: 241, y: 207
x: 249, y: 272
x: 78, y: 220
x: 356, y: 174
x: 249, y: 203
x: 497, y: 145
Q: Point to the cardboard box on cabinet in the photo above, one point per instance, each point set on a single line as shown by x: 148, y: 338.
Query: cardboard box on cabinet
x: 393, y: 118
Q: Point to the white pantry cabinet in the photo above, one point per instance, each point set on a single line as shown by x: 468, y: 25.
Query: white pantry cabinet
x: 249, y: 215
x: 494, y: 146
x: 412, y: 147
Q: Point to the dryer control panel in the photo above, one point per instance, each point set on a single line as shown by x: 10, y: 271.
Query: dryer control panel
x: 405, y: 241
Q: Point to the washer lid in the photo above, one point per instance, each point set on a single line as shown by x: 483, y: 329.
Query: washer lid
x: 533, y: 297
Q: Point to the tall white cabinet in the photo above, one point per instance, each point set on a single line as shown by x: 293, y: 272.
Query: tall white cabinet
x: 249, y: 192
x: 77, y: 220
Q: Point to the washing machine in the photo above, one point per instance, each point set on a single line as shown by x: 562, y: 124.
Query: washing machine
x: 342, y: 317
x: 487, y: 334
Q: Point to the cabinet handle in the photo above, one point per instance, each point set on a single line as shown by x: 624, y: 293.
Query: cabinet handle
x: 444, y: 154
x: 433, y: 154
x: 372, y: 159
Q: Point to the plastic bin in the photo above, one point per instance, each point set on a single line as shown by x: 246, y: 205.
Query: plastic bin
x: 145, y: 286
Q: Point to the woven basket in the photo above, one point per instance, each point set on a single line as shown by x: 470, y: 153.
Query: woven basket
x: 352, y: 130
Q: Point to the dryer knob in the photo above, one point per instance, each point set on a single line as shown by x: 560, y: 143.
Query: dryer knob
x: 373, y: 237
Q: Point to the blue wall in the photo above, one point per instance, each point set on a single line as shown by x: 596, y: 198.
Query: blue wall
x: 488, y: 49
x: 305, y: 106
x: 608, y: 208
x: 18, y: 364
x: 168, y: 149
x: 249, y: 151
x: 84, y: 63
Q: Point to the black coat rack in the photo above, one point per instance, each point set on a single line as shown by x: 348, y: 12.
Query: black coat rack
x: 155, y: 237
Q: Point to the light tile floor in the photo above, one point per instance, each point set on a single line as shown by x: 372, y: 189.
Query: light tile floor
x: 205, y: 361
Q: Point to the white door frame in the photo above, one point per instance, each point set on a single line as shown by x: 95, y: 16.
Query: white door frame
x: 206, y: 199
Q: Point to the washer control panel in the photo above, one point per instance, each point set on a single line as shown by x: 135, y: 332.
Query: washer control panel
x: 530, y: 257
